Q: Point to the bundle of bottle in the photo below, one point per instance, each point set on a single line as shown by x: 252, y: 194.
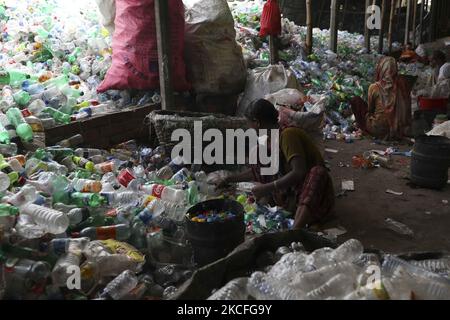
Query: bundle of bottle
x: 342, y: 273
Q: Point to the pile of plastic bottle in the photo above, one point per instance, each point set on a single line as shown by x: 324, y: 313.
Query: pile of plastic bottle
x: 343, y: 273
x: 212, y: 216
x: 53, y: 56
x: 118, y: 212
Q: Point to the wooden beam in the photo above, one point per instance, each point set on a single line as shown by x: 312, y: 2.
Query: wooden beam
x: 333, y: 26
x: 381, y: 33
x: 162, y: 37
x: 273, y: 49
x: 422, y: 8
x: 408, y: 20
x: 391, y: 23
x: 366, y: 29
x: 309, y: 25
x: 414, y: 23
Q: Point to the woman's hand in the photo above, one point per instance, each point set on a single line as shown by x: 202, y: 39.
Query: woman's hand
x: 262, y: 190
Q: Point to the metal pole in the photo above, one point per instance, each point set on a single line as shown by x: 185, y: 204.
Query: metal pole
x: 422, y: 8
x: 414, y: 22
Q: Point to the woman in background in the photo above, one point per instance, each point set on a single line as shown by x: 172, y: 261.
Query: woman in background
x: 387, y: 115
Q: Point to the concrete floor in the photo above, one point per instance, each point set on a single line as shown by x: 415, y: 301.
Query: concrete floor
x: 362, y: 212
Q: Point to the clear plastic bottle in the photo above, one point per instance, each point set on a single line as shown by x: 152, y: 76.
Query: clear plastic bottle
x: 263, y: 287
x: 60, y: 272
x: 22, y: 275
x: 86, y: 185
x: 234, y: 290
x: 348, y: 251
x: 121, y: 285
x: 60, y: 246
x: 53, y: 221
x: 7, y: 98
x: 123, y: 198
x: 166, y: 193
x: 434, y: 265
x: 27, y: 194
x: 4, y: 182
x: 8, y: 149
x: 118, y: 232
x: 77, y: 215
x: 338, y: 287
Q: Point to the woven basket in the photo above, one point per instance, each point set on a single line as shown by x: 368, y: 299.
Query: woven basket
x: 165, y: 122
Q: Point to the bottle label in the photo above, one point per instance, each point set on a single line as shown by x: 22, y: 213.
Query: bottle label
x: 158, y: 190
x: 106, y: 167
x: 104, y: 233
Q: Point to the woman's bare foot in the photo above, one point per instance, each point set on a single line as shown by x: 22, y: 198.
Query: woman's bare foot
x: 303, y: 218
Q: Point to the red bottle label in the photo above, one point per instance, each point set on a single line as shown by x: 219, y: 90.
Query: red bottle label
x: 105, y: 233
x: 158, y: 190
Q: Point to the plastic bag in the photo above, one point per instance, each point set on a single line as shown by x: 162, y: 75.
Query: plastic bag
x: 107, y: 10
x: 135, y: 50
x: 265, y: 81
x: 270, y: 19
x: 214, y: 60
x: 286, y: 97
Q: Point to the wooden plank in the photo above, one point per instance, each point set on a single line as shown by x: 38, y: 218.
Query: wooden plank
x: 333, y: 26
x: 422, y: 9
x: 273, y: 49
x: 414, y: 23
x: 309, y: 25
x: 162, y: 37
x: 408, y: 20
x: 381, y: 33
x: 391, y: 23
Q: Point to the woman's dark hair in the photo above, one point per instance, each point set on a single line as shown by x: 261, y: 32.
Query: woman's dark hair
x: 263, y: 111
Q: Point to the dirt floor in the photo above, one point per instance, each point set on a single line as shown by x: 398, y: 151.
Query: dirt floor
x: 362, y: 212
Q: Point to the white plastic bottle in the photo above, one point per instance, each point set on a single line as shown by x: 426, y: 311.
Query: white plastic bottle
x: 53, y: 221
x: 338, y: 287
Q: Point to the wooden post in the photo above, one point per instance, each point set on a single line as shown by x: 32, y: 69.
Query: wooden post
x: 391, y: 23
x: 333, y: 27
x: 408, y: 19
x: 309, y: 32
x: 422, y: 8
x: 414, y: 22
x: 273, y: 50
x: 366, y: 29
x: 162, y: 37
x: 381, y: 34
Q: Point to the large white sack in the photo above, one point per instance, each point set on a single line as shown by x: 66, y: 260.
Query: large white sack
x: 214, y: 60
x: 107, y: 10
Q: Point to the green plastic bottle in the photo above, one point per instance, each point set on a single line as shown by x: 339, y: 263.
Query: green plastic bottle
x: 23, y: 129
x: 84, y: 163
x: 22, y: 98
x: 59, y: 153
x: 87, y: 199
x: 6, y: 168
x: 60, y: 117
x: 72, y: 58
x: 4, y: 135
x: 8, y: 210
x: 70, y: 92
x: 58, y: 82
x: 13, y: 78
